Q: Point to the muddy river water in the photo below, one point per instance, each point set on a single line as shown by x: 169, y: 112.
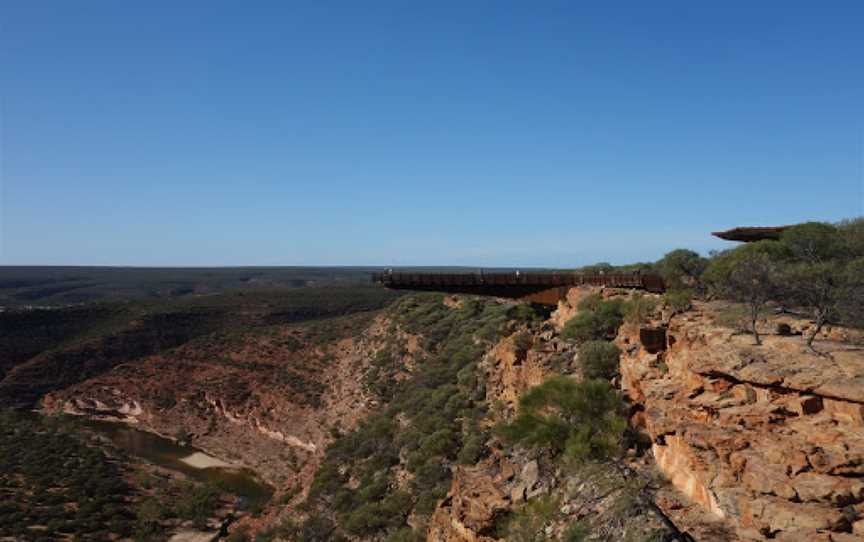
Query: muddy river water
x: 188, y: 460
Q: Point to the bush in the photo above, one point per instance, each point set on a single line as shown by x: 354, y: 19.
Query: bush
x: 472, y: 449
x: 523, y: 341
x: 639, y: 309
x: 599, y: 359
x: 813, y: 242
x: 526, y: 312
x: 405, y: 534
x: 577, y: 532
x: 528, y: 524
x: 679, y: 300
x: 197, y: 503
x: 851, y: 307
x: 374, y: 516
x: 579, y: 420
x: 681, y: 268
x: 597, y: 319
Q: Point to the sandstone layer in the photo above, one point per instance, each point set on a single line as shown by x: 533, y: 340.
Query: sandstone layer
x: 770, y: 437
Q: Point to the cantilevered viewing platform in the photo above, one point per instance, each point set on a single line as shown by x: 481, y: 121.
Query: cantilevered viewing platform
x: 748, y: 234
x: 544, y: 288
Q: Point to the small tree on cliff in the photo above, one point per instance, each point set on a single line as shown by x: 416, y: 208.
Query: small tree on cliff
x: 748, y: 275
x: 579, y: 420
x: 597, y: 319
x: 816, y: 277
x: 599, y: 359
x: 681, y: 268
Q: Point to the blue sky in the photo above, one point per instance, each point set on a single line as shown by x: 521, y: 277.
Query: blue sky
x: 402, y: 133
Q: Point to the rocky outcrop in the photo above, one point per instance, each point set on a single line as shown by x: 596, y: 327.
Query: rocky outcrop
x: 510, y: 369
x: 770, y: 438
x: 478, y: 498
x: 483, y: 497
x: 758, y: 442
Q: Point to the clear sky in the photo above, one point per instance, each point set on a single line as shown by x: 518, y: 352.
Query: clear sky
x: 398, y: 133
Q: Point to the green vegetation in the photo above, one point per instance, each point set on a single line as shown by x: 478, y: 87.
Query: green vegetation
x: 597, y: 319
x: 816, y: 267
x: 529, y: 522
x: 679, y: 300
x: 76, y: 343
x: 53, y: 484
x: 577, y: 532
x: 56, y: 286
x: 56, y: 483
x: 170, y: 503
x: 748, y: 275
x: 599, y: 359
x: 639, y: 309
x: 681, y: 268
x: 431, y: 419
x: 578, y: 421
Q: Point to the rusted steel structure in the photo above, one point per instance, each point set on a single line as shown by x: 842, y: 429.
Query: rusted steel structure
x: 544, y: 288
x: 751, y: 234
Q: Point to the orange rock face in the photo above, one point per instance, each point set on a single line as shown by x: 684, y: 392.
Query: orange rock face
x: 769, y: 437
x: 469, y: 511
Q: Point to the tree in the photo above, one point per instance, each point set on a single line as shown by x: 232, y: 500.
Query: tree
x: 819, y: 287
x: 747, y: 274
x: 852, y: 237
x: 813, y: 242
x: 816, y: 278
x: 681, y: 268
x: 851, y: 306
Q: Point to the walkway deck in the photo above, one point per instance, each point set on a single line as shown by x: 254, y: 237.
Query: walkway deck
x: 546, y: 288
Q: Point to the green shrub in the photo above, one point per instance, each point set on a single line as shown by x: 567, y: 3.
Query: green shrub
x: 472, y: 449
x: 528, y: 524
x: 577, y: 532
x: 596, y: 320
x: 590, y: 302
x: 639, y: 309
x: 526, y: 312
x: 197, y: 503
x: 679, y: 300
x: 374, y: 516
x: 599, y: 359
x: 405, y: 534
x: 523, y: 341
x: 578, y: 420
x: 681, y: 268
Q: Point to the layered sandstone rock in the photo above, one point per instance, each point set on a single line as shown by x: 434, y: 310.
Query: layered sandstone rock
x: 478, y: 496
x: 769, y: 437
x: 483, y: 496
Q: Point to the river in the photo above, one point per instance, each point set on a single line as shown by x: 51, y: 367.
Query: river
x: 170, y: 455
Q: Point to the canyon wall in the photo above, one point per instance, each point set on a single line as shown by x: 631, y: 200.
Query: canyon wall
x: 769, y: 438
x: 757, y: 442
x: 752, y: 442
